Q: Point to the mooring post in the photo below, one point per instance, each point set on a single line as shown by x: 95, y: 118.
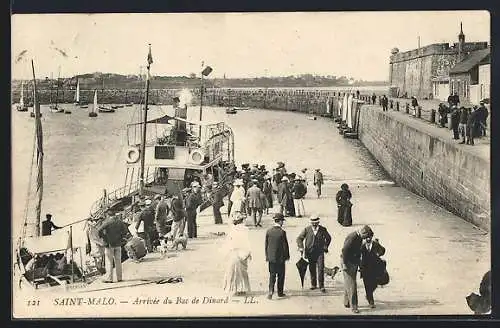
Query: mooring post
x: 433, y: 115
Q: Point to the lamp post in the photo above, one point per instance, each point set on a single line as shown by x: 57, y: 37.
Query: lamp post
x: 204, y: 72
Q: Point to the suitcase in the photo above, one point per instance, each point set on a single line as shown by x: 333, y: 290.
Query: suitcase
x: 136, y: 248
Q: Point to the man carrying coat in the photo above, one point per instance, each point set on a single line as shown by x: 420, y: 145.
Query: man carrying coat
x: 350, y: 260
x: 277, y: 253
x: 313, y: 242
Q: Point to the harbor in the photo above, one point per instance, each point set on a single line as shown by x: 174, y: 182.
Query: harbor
x: 181, y: 203
x: 378, y: 202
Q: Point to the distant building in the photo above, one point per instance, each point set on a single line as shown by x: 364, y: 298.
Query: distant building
x: 424, y: 72
x: 464, y: 77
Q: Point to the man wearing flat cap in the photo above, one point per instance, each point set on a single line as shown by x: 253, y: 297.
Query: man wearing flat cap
x: 350, y: 260
x: 48, y: 225
x: 277, y: 253
x: 313, y: 243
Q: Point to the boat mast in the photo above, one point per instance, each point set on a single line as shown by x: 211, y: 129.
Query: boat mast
x: 51, y: 87
x: 143, y: 139
x: 77, y: 96
x: 39, y: 154
x: 57, y: 89
x: 21, y: 102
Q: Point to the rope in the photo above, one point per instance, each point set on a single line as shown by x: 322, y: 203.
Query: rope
x: 73, y: 223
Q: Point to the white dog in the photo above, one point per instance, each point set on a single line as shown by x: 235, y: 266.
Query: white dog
x: 163, y: 249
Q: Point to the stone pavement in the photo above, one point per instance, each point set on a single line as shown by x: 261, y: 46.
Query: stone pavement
x: 434, y: 260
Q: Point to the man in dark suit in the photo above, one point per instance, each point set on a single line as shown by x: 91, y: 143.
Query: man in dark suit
x: 371, y: 266
x: 350, y: 260
x: 313, y: 241
x: 277, y: 253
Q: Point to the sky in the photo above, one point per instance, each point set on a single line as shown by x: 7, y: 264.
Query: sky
x: 352, y: 44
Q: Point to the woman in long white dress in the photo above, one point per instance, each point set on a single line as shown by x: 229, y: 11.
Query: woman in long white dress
x: 237, y: 198
x: 238, y: 255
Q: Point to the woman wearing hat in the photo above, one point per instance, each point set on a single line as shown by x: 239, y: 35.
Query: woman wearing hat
x: 238, y: 254
x: 343, y: 198
x: 267, y: 189
x: 237, y: 198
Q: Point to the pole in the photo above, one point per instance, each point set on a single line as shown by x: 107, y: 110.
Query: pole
x: 201, y: 99
x: 143, y: 141
x: 72, y: 259
x: 39, y: 147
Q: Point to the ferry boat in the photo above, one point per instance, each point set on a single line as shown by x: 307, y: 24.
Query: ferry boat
x: 168, y: 153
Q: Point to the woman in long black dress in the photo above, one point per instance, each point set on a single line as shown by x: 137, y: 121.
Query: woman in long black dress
x: 344, y: 205
x: 290, y: 206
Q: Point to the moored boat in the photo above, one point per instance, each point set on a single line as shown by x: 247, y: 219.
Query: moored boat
x: 21, y: 107
x: 168, y: 153
x: 93, y: 112
x: 104, y: 109
x: 44, y: 261
x: 230, y: 110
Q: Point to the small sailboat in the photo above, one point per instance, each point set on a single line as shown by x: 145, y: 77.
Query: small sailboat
x: 77, y: 96
x: 54, y: 108
x: 21, y: 107
x: 77, y: 93
x: 93, y: 112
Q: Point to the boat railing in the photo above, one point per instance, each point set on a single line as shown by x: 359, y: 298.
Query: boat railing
x: 108, y: 199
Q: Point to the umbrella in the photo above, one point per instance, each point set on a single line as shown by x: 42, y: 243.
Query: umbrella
x: 302, y: 267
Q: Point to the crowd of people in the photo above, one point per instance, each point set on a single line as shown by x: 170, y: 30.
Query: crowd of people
x: 360, y: 252
x: 254, y: 191
x: 466, y: 123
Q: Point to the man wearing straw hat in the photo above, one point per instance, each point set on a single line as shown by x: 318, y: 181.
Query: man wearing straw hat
x: 277, y: 253
x: 313, y: 243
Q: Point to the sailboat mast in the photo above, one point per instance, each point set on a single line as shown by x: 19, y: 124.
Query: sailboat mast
x: 21, y: 102
x: 57, y: 89
x: 39, y: 154
x: 77, y: 96
x: 143, y: 139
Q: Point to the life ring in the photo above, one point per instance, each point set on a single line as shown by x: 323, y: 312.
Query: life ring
x: 197, y: 156
x: 132, y: 155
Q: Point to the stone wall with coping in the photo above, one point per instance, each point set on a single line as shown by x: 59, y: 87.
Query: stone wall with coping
x: 439, y: 170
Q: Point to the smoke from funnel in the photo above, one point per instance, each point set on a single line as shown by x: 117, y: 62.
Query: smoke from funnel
x: 185, y: 97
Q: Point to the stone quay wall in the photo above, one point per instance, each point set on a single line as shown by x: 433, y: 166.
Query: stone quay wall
x: 434, y: 168
x: 301, y: 100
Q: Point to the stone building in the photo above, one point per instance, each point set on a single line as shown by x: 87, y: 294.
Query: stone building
x: 424, y: 72
x: 464, y: 77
